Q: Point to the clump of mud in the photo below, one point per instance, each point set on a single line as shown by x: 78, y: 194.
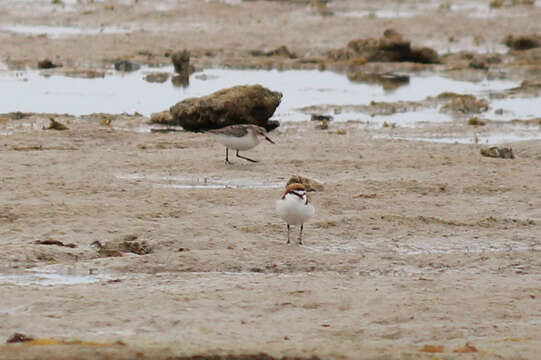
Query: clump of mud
x: 498, y: 152
x: 466, y: 59
x: 464, y: 104
x: 47, y: 64
x: 127, y: 244
x: 392, y: 47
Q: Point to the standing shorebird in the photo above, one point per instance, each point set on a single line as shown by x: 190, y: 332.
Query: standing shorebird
x: 240, y: 137
x: 295, y: 208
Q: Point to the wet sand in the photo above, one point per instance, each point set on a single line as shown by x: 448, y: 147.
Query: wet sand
x: 418, y: 250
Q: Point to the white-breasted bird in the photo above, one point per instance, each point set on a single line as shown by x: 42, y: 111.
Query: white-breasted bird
x: 295, y: 208
x: 240, y: 138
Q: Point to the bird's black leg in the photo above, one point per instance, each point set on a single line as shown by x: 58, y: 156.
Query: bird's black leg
x: 300, y: 235
x: 288, y: 233
x: 245, y: 158
x: 227, y: 156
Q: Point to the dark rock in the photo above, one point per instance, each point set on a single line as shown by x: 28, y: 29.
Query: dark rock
x: 55, y: 125
x: 245, y: 104
x: 181, y: 62
x: 47, y: 64
x: 423, y: 55
x: 164, y: 130
x: 126, y: 66
x: 478, y: 64
x: 523, y: 42
x: 498, y: 152
x: 319, y: 117
x: 183, y: 69
x: 281, y: 51
x: 392, y: 47
x: 19, y: 338
x: 54, y: 242
x: 475, y: 121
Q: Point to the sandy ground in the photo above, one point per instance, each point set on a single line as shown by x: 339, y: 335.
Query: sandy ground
x: 417, y: 251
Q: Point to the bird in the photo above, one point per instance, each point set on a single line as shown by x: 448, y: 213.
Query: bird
x: 295, y: 208
x: 240, y: 137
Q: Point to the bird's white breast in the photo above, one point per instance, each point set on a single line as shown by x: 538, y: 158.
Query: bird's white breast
x: 294, y: 209
x: 245, y: 142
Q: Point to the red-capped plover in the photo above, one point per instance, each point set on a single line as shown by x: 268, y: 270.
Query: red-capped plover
x: 294, y: 207
x: 240, y: 137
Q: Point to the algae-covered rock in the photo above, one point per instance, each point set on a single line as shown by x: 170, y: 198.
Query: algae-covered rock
x: 244, y: 104
x: 309, y: 184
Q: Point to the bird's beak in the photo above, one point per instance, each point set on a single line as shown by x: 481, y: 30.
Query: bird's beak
x: 268, y: 139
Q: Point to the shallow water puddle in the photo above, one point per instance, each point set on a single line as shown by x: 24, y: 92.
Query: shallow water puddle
x: 56, y: 32
x: 50, y: 277
x: 473, y: 9
x: 23, y: 7
x: 514, y: 108
x: 119, y: 92
x: 482, y: 139
x: 200, y: 182
x: 403, y: 119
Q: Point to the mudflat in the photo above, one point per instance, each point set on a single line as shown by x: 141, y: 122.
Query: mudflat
x: 126, y: 244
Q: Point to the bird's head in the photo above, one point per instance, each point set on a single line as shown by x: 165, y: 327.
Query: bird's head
x: 259, y: 131
x: 295, y: 189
